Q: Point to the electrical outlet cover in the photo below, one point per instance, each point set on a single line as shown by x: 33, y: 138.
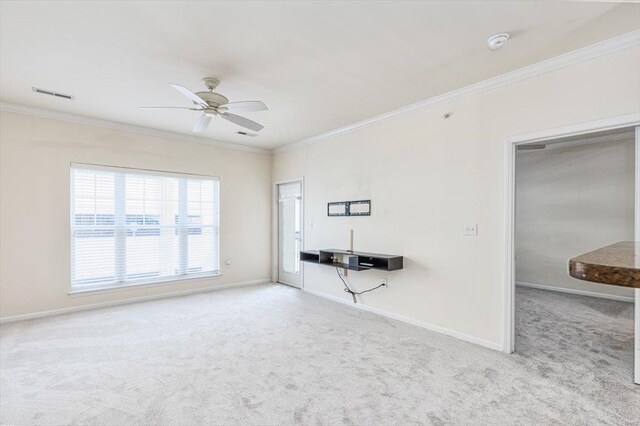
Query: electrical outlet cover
x: 471, y: 230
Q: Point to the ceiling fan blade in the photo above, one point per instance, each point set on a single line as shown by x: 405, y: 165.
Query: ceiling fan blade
x: 160, y: 107
x: 241, y: 121
x: 202, y: 123
x: 189, y: 94
x: 245, y: 106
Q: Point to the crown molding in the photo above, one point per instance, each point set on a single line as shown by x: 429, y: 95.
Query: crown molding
x: 130, y: 128
x: 567, y: 59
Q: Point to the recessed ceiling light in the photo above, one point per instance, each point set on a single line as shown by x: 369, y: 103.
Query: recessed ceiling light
x: 496, y: 41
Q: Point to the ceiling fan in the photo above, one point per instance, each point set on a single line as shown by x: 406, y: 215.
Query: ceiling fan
x: 213, y: 104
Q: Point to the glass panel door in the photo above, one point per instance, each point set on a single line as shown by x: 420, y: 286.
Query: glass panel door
x: 289, y: 232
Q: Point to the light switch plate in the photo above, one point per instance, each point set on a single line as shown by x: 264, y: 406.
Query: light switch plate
x: 471, y: 230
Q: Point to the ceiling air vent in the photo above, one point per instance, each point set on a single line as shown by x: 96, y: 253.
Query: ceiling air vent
x: 240, y: 132
x: 51, y: 93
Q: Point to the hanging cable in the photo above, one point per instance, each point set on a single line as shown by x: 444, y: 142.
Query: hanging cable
x: 354, y: 293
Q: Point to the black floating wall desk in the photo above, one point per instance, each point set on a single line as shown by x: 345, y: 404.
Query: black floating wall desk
x: 359, y: 261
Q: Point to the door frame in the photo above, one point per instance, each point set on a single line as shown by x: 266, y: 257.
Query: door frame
x: 612, y: 123
x: 636, y: 357
x: 275, y: 261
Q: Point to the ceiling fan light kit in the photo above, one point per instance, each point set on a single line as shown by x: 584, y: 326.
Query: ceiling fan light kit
x: 213, y: 104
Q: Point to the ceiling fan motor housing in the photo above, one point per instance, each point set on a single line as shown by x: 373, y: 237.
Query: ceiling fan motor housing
x: 213, y: 99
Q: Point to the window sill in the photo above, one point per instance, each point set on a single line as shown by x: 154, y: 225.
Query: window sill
x: 110, y: 288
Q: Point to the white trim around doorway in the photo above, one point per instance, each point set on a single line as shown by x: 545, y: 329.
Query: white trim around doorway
x: 636, y: 369
x: 612, y: 123
x: 275, y: 226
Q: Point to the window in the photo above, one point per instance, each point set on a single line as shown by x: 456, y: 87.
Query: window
x: 135, y: 226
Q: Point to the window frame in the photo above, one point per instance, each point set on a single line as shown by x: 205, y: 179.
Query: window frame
x: 145, y: 282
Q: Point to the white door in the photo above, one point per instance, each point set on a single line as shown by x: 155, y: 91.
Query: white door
x: 289, y: 233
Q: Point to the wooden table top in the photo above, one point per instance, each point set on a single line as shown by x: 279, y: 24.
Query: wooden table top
x: 617, y: 264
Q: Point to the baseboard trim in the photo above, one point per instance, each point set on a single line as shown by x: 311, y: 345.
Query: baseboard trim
x: 91, y: 306
x: 574, y: 291
x: 438, y: 329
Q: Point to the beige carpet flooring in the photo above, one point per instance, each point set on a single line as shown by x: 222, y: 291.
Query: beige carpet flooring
x: 271, y: 354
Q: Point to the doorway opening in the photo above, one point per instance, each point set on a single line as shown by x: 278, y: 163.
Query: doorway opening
x: 571, y: 191
x: 290, y: 231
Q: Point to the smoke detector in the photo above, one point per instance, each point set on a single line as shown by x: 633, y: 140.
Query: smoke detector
x: 496, y: 41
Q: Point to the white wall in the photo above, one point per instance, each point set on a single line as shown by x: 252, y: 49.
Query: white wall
x: 427, y: 177
x: 35, y: 154
x: 570, y: 201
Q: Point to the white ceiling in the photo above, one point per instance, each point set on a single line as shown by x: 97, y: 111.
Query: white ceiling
x: 317, y: 65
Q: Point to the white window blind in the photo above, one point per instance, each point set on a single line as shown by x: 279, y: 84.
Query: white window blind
x: 135, y: 226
